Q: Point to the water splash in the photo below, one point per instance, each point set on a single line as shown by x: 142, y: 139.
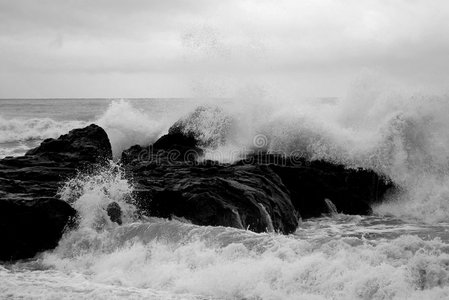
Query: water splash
x: 127, y: 126
x: 90, y: 194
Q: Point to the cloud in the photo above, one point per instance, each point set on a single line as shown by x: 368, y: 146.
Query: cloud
x: 314, y: 47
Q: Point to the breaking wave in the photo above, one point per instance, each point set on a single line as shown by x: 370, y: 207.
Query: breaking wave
x: 400, y: 135
x: 127, y: 126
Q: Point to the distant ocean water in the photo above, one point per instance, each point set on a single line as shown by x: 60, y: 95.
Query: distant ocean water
x: 24, y: 123
x: 402, y: 252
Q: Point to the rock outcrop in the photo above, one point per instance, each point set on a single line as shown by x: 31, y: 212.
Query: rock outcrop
x: 32, y: 216
x: 262, y: 192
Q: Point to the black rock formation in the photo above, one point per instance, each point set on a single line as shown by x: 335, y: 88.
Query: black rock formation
x: 262, y: 192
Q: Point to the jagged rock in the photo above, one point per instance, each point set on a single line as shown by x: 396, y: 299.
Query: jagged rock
x: 30, y: 183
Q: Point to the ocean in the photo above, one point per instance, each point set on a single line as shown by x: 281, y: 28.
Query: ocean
x: 400, y: 252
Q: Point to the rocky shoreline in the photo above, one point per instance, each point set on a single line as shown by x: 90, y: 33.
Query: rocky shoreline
x: 263, y: 192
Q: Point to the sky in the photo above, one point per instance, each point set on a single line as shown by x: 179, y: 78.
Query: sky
x: 210, y: 48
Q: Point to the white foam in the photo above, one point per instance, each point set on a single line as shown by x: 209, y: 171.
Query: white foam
x: 228, y: 263
x: 127, y: 126
x: 90, y: 194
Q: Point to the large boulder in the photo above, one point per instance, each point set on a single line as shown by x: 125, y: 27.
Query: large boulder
x: 29, y: 185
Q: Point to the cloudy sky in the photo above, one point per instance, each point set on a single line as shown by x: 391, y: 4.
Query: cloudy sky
x: 184, y: 48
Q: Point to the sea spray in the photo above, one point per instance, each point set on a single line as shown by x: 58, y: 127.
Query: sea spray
x: 210, y: 125
x: 91, y: 192
x: 127, y: 126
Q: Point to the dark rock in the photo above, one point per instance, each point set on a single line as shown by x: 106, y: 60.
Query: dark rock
x: 247, y: 196
x: 114, y: 212
x: 351, y: 190
x: 135, y: 153
x: 39, y: 173
x: 176, y: 138
x: 89, y: 144
x: 174, y: 146
x: 30, y: 226
x: 181, y: 145
x: 30, y: 183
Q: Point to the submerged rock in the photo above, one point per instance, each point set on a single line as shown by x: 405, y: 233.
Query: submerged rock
x: 32, y: 216
x: 114, y: 212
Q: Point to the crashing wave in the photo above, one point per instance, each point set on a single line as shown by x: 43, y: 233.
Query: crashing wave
x: 127, y: 126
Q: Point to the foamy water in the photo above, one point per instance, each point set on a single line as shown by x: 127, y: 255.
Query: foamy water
x: 338, y: 257
x: 402, y: 252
